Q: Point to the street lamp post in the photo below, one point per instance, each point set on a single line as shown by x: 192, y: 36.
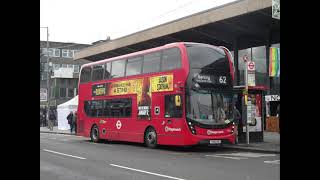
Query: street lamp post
x: 48, y: 76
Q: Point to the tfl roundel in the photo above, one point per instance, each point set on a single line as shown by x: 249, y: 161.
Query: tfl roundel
x: 251, y: 66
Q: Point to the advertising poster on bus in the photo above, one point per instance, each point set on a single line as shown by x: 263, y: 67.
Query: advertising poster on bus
x: 254, y: 107
x: 142, y: 87
x: 144, y: 100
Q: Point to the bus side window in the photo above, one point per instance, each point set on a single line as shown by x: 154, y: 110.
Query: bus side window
x: 173, y: 106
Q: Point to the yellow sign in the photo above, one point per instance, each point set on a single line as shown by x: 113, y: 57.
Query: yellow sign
x: 178, y: 100
x: 126, y: 87
x: 162, y: 83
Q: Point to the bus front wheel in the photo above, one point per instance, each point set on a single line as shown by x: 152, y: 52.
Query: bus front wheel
x: 94, y: 134
x: 150, y: 138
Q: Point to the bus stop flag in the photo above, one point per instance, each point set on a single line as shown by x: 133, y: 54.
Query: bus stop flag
x: 274, y: 63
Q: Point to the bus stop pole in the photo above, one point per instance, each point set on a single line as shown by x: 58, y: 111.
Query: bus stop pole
x: 246, y: 102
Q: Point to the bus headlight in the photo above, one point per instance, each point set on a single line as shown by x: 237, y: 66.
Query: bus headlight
x: 191, y: 127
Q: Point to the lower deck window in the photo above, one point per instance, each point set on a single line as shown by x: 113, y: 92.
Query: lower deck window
x: 108, y: 108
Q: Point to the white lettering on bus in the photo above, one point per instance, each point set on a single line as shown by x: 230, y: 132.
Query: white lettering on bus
x: 167, y: 129
x: 209, y: 132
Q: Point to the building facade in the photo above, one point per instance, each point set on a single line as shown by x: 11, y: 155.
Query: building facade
x: 63, y: 71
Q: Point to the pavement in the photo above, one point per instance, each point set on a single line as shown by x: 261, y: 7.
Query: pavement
x: 271, y: 142
x: 72, y: 157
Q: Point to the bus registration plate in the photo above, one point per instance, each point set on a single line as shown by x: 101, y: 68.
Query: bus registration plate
x: 215, y: 141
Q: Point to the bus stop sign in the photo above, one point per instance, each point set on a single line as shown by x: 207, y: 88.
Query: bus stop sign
x: 251, y: 66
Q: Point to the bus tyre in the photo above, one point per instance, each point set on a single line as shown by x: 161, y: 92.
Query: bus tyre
x: 150, y: 138
x: 94, y: 134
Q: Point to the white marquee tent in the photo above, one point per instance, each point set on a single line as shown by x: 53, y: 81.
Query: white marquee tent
x: 63, y: 110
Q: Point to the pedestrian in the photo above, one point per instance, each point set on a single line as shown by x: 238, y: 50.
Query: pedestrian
x: 74, y: 121
x: 44, y: 122
x: 237, y: 118
x: 69, y: 118
x: 51, y: 119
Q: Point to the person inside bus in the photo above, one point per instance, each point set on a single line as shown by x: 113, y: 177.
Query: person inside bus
x: 221, y: 115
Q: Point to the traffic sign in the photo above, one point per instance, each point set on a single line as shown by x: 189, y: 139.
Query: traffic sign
x: 245, y: 58
x: 251, y: 66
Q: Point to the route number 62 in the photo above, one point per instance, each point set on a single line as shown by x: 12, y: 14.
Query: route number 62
x: 222, y: 79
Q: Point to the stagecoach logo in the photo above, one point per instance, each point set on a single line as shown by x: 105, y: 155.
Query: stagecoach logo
x: 167, y: 129
x: 209, y: 132
x: 118, y: 124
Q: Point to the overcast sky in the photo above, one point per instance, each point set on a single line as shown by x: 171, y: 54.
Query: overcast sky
x: 86, y: 21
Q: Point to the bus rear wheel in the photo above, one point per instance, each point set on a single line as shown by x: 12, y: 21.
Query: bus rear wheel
x: 94, y: 134
x: 150, y: 138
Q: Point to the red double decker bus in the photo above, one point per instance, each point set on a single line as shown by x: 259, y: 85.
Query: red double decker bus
x: 176, y: 94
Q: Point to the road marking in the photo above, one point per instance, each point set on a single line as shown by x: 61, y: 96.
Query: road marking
x: 272, y: 162
x: 227, y: 157
x: 156, y: 174
x: 64, y: 154
x: 249, y: 155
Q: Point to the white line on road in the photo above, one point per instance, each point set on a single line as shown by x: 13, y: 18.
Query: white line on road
x: 156, y: 174
x: 227, y: 157
x: 273, y: 162
x: 63, y: 154
x: 249, y: 155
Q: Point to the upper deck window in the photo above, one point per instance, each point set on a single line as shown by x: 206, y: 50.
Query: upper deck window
x: 97, y: 73
x: 85, y: 75
x: 134, y: 66
x: 118, y: 68
x: 205, y: 57
x: 171, y: 59
x: 151, y: 62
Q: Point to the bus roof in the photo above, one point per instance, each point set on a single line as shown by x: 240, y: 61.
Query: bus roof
x: 170, y: 45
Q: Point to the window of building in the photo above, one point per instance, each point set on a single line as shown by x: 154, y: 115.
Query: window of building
x: 61, y: 82
x: 173, y: 106
x: 171, y: 59
x: 52, y: 92
x: 241, y: 54
x: 50, y: 52
x: 56, y: 66
x: 67, y: 53
x: 118, y: 68
x: 76, y: 68
x: 85, y: 75
x: 259, y: 57
x: 70, y: 92
x: 134, y: 66
x: 56, y: 53
x: 45, y: 65
x: 63, y: 92
x: 97, y: 73
x: 107, y: 73
x: 64, y: 65
x: 44, y: 51
x: 151, y: 62
x: 75, y: 51
x: 72, y: 82
x: 70, y: 65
